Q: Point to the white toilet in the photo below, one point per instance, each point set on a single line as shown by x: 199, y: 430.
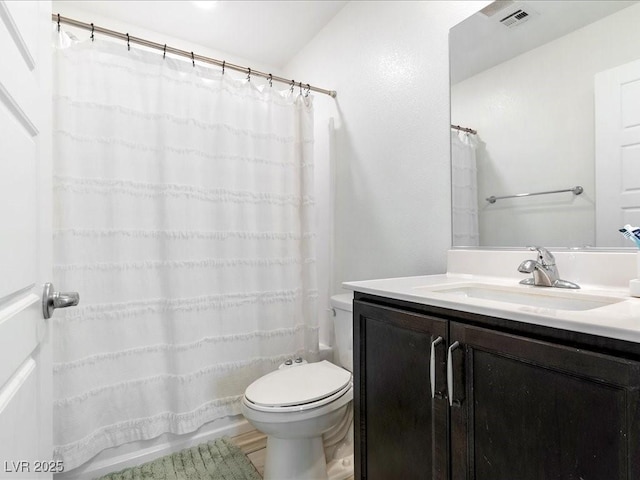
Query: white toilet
x: 296, y: 404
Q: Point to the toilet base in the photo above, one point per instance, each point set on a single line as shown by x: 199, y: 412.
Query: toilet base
x: 295, y: 459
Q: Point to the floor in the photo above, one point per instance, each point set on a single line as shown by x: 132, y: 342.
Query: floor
x: 254, y: 445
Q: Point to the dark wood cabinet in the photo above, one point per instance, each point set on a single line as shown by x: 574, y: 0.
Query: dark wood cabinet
x: 401, y: 426
x: 521, y: 406
x: 534, y: 410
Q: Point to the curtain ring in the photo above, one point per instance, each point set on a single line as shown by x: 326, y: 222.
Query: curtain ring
x: 293, y: 82
x: 164, y: 51
x: 223, y: 62
x: 306, y: 94
x: 193, y: 60
x: 58, y: 22
x: 270, y: 80
x: 249, y: 75
x: 300, y: 85
x: 128, y: 45
x: 92, y: 32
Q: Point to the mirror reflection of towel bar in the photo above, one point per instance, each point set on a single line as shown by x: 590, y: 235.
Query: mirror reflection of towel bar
x: 575, y: 190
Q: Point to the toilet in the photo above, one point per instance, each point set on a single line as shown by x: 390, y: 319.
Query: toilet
x: 299, y: 402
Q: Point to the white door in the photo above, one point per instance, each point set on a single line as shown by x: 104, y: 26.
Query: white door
x: 617, y: 129
x: 25, y: 239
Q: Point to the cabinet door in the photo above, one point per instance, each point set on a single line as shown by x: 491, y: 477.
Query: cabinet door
x: 401, y: 431
x: 530, y: 410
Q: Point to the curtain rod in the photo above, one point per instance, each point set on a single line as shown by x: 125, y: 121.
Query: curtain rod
x: 175, y: 51
x: 464, y: 129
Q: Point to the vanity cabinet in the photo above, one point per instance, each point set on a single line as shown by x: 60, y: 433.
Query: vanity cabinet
x: 527, y: 409
x: 401, y: 428
x: 516, y: 405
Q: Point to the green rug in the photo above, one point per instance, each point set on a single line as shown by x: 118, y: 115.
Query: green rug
x: 217, y: 460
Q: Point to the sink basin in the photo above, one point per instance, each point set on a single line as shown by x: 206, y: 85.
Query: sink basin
x: 541, y: 297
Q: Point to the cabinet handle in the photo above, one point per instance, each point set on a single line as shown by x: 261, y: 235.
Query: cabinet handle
x: 432, y: 365
x: 452, y: 347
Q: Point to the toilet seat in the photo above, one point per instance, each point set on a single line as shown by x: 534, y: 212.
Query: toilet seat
x: 299, y: 388
x: 297, y: 408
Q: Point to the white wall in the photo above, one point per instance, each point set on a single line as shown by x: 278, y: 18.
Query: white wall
x: 552, y: 145
x: 388, y: 62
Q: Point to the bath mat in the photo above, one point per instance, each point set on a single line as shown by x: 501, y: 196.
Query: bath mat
x: 216, y: 460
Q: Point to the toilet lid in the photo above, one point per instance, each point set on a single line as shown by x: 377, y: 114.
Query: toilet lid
x: 298, y: 385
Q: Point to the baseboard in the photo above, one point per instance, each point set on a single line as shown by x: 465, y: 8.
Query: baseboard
x: 136, y: 453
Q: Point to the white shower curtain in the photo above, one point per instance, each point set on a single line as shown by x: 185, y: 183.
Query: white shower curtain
x: 184, y: 217
x: 464, y: 189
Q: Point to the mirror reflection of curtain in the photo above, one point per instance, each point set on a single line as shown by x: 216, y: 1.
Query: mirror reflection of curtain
x: 464, y: 196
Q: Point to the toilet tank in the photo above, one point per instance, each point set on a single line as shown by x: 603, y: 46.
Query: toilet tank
x: 342, y: 306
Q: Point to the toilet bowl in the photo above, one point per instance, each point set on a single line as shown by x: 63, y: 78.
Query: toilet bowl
x: 295, y: 405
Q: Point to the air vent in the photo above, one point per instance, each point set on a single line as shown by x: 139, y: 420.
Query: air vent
x: 516, y: 18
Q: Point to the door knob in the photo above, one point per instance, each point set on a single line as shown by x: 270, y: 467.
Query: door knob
x: 52, y: 300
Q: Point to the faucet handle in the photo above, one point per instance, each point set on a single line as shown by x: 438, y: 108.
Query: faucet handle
x: 545, y: 257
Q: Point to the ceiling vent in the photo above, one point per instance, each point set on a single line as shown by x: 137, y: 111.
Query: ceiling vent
x: 516, y: 18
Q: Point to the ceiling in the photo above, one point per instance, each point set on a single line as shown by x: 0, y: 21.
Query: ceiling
x: 265, y: 32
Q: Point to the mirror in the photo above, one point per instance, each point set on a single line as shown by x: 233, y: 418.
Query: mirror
x: 522, y: 77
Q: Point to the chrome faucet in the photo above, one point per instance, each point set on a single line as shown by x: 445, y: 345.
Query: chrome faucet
x: 545, y: 272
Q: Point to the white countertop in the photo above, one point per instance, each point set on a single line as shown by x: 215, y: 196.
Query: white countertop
x: 619, y: 320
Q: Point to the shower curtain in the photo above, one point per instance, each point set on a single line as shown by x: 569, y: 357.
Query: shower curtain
x: 464, y: 189
x: 183, y: 203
